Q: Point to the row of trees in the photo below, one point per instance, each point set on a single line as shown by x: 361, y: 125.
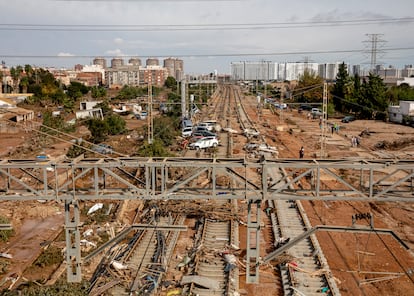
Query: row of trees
x: 367, y: 97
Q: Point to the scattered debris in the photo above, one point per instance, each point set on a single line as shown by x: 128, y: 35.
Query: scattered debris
x: 248, y: 132
x: 6, y: 255
x: 230, y: 130
x: 201, y: 281
x: 174, y: 292
x: 87, y: 243
x: 88, y: 232
x: 95, y: 207
x: 118, y: 265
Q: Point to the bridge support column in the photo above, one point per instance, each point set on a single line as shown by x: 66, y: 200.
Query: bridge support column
x: 253, y: 241
x: 73, y: 252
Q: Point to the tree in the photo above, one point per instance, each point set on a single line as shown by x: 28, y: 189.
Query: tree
x: 116, y: 124
x: 310, y: 87
x: 174, y: 107
x: 373, y: 97
x: 56, y: 123
x: 402, y: 92
x: 44, y: 86
x: 130, y: 93
x: 15, y: 74
x: 171, y: 83
x: 98, y: 92
x: 112, y: 124
x: 342, y: 89
x: 156, y: 149
x: 76, y: 149
x: 28, y: 70
x: 24, y: 83
x: 106, y: 109
x: 76, y: 90
x: 98, y: 129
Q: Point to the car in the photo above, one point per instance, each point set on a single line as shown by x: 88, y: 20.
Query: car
x: 187, y: 132
x: 187, y: 123
x: 316, y: 112
x: 206, y: 142
x: 204, y: 133
x: 103, y: 149
x: 304, y: 108
x: 209, y: 125
x: 200, y: 129
x: 348, y: 118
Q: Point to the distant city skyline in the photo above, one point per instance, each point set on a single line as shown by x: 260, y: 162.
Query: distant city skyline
x: 206, y: 35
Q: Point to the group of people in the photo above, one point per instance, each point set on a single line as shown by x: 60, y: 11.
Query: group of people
x: 335, y: 128
x: 355, y: 141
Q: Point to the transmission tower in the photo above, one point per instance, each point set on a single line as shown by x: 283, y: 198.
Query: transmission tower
x: 376, y: 44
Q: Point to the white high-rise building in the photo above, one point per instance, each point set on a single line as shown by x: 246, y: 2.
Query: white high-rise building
x: 329, y: 71
x: 262, y: 70
x: 293, y: 71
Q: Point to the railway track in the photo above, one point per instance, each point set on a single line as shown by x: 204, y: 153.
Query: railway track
x: 215, y: 272
x: 145, y: 256
x: 307, y: 272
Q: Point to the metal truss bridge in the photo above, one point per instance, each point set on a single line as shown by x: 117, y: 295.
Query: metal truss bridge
x: 71, y: 181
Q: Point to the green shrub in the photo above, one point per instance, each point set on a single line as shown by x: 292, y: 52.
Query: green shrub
x: 5, y: 234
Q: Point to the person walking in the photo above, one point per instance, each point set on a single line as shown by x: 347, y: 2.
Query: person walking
x: 301, y: 152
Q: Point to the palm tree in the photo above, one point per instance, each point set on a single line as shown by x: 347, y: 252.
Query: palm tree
x: 24, y: 83
x: 15, y: 73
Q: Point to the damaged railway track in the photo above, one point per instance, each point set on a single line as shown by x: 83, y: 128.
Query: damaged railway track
x: 138, y: 265
x: 215, y: 271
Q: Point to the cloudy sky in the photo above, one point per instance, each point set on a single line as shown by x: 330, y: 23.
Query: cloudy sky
x: 207, y: 34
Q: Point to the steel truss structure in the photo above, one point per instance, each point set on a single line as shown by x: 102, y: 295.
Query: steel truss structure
x: 77, y: 180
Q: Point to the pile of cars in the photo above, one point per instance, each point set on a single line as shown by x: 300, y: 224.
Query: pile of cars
x: 202, y: 135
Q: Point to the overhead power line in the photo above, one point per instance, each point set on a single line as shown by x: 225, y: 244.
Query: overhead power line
x: 199, y: 27
x: 195, y: 55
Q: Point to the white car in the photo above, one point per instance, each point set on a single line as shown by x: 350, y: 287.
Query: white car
x: 209, y: 125
x: 205, y: 142
x: 187, y: 132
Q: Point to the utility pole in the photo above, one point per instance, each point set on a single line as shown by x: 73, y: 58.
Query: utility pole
x: 183, y: 98
x: 324, y: 119
x: 150, y: 117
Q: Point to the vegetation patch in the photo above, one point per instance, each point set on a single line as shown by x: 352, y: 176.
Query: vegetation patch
x: 50, y: 256
x: 5, y: 234
x: 61, y: 288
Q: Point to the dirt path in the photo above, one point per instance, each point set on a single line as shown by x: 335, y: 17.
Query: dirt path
x: 39, y: 227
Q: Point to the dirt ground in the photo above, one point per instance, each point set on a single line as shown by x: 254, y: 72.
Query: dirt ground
x: 36, y: 224
x: 361, y: 264
x: 353, y: 258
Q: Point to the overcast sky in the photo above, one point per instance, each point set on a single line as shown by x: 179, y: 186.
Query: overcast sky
x: 208, y: 35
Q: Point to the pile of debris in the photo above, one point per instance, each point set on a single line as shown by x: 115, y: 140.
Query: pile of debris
x: 199, y: 208
x: 394, y: 145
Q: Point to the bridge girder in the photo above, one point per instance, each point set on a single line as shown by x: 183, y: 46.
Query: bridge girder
x: 179, y: 179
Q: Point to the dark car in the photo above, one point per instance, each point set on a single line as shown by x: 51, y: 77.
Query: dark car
x: 304, y: 108
x: 103, y: 149
x: 348, y: 118
x: 204, y: 133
